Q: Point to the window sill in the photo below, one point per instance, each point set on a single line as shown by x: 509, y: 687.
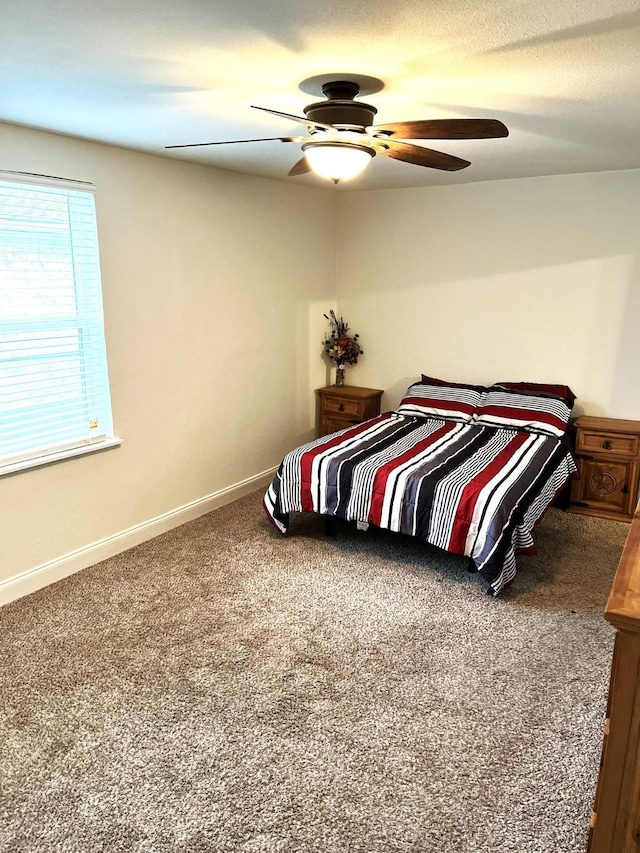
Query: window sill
x: 49, y: 459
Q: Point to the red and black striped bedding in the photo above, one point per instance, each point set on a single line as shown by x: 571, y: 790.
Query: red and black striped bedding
x: 469, y: 489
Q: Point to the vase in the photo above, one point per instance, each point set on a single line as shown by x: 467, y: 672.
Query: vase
x: 340, y: 375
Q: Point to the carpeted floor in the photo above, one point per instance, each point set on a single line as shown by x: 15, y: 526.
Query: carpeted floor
x: 223, y: 688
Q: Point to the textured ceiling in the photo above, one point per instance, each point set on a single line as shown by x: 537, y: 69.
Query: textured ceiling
x: 563, y: 77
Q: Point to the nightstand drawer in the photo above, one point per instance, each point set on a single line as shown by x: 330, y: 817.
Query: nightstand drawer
x: 336, y: 406
x: 600, y: 443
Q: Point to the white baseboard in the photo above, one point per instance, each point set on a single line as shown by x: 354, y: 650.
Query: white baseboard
x: 41, y: 576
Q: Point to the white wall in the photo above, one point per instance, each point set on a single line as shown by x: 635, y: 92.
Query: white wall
x: 214, y: 290
x: 535, y: 279
x: 215, y: 286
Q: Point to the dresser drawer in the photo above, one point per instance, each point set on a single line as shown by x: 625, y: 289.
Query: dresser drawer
x: 336, y: 406
x: 600, y: 443
x: 343, y: 406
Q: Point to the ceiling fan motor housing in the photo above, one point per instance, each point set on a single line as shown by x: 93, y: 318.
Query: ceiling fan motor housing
x: 340, y: 108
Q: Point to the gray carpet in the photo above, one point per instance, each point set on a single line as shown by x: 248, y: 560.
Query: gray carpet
x: 223, y: 688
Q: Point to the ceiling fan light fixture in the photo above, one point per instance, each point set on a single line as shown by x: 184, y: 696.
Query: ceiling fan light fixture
x: 337, y: 161
x: 342, y: 138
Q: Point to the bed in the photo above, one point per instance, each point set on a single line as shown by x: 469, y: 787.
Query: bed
x: 467, y: 468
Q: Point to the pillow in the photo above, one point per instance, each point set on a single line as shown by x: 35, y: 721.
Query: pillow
x: 547, y: 413
x: 429, y: 380
x: 452, y: 401
x: 540, y: 388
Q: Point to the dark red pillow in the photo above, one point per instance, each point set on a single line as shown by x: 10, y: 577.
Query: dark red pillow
x: 541, y: 388
x: 429, y: 380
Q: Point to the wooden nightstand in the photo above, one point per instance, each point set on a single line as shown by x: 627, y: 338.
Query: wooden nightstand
x: 344, y: 405
x: 608, y: 457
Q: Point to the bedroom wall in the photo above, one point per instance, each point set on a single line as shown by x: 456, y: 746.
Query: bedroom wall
x: 535, y: 279
x: 213, y: 336
x: 213, y: 340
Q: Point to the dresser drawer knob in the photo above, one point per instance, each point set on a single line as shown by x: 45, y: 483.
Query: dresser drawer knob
x: 606, y: 445
x: 341, y: 409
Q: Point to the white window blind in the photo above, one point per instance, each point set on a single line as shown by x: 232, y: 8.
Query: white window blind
x: 54, y: 388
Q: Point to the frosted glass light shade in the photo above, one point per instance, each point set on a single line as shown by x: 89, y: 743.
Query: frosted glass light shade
x: 337, y: 161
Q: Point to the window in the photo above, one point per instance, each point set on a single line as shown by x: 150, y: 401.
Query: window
x: 54, y: 387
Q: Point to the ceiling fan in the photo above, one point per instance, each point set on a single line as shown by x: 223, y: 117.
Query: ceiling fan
x: 341, y: 138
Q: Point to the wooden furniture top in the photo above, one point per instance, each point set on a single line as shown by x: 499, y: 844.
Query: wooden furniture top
x: 623, y: 606
x: 607, y: 424
x: 350, y: 391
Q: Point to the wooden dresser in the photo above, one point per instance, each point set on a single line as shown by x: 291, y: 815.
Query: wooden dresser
x: 608, y: 457
x: 615, y: 824
x: 344, y: 405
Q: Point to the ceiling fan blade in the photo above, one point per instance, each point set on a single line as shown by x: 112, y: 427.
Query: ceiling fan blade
x: 299, y: 119
x: 420, y: 156
x: 300, y: 168
x: 444, y: 128
x: 237, y: 141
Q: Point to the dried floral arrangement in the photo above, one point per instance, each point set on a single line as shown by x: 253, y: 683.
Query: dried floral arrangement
x: 341, y: 347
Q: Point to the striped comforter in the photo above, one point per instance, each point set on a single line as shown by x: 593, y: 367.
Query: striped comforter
x: 469, y: 489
